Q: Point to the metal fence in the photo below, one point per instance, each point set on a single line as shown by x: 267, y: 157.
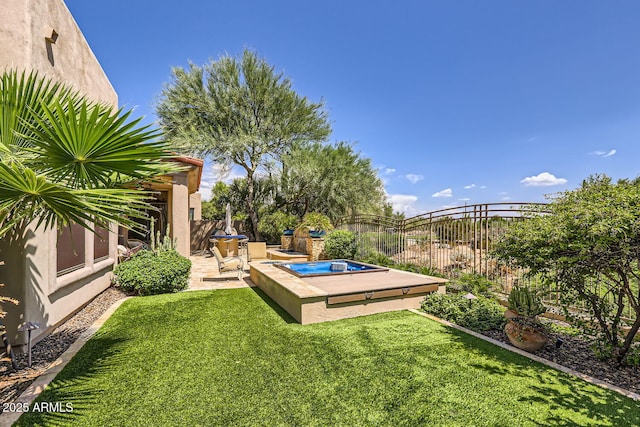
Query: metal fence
x: 450, y: 241
x: 455, y: 241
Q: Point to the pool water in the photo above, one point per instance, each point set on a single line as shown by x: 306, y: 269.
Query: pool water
x: 326, y: 268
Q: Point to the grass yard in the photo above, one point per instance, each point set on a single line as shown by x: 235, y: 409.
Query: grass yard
x: 230, y: 357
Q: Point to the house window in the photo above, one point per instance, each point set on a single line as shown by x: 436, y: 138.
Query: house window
x: 71, y: 249
x: 100, y: 244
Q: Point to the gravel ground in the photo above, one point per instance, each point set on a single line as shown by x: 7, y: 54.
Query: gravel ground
x: 574, y: 353
x: 13, y: 383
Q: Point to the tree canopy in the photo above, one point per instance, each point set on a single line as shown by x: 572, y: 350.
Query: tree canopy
x: 239, y: 111
x: 332, y: 179
x: 587, y: 242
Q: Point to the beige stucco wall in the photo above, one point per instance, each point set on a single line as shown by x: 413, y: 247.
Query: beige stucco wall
x: 30, y: 271
x: 179, y: 199
x: 24, y: 25
x: 195, y: 203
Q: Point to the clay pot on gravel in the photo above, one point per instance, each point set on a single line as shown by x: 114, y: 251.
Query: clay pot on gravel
x: 525, y: 335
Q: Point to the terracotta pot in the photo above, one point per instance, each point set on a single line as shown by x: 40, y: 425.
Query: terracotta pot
x: 510, y: 314
x: 525, y: 337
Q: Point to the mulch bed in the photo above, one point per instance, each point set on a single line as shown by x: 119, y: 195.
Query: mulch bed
x: 13, y: 383
x: 574, y: 353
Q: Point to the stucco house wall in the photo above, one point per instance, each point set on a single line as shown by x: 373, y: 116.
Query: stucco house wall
x: 42, y: 35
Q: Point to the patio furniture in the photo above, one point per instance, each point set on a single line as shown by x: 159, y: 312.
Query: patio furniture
x: 256, y: 251
x: 230, y: 263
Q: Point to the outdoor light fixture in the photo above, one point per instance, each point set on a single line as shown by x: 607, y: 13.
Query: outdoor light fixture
x: 29, y: 326
x: 53, y: 37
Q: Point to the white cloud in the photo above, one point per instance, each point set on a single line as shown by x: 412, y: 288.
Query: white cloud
x: 389, y: 171
x: 464, y: 199
x: 601, y: 153
x: 214, y: 173
x: 414, y: 178
x: 483, y: 187
x: 402, y: 202
x: 447, y: 192
x: 544, y: 179
x: 506, y: 198
x: 469, y: 187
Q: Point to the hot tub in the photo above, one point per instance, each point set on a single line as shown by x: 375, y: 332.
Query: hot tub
x: 328, y: 268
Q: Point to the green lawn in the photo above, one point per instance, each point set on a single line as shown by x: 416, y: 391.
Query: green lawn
x: 232, y: 358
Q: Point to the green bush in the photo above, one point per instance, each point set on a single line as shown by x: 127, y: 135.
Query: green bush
x: 376, y: 258
x: 340, y: 244
x: 474, y: 283
x: 149, y: 273
x: 272, y: 225
x: 479, y: 314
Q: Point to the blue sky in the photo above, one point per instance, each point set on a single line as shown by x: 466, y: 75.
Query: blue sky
x: 454, y: 101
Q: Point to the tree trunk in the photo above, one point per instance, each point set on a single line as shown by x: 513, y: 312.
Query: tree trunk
x: 253, y: 215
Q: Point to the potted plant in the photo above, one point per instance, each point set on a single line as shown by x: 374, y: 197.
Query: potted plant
x: 523, y: 328
x: 317, y: 223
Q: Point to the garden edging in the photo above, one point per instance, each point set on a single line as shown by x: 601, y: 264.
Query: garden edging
x: 38, y: 386
x: 592, y: 380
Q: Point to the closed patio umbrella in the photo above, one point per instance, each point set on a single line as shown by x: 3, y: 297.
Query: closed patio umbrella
x: 227, y: 220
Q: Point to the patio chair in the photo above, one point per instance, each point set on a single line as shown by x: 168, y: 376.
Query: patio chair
x: 256, y: 250
x: 230, y: 263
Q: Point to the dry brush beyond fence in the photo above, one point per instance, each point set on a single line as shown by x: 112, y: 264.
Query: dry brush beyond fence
x: 450, y: 241
x: 453, y: 241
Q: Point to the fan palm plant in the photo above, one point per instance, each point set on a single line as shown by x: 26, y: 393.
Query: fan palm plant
x: 64, y: 159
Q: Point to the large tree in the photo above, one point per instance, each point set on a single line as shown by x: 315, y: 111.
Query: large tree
x: 239, y: 111
x: 332, y: 179
x: 587, y: 242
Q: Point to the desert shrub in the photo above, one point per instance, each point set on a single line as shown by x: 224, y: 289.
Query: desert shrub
x: 420, y: 269
x: 474, y: 283
x: 377, y: 258
x: 150, y: 273
x: 340, y: 244
x: 585, y: 242
x: 272, y: 225
x: 478, y: 314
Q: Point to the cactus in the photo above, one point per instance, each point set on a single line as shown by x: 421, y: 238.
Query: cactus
x: 525, y: 302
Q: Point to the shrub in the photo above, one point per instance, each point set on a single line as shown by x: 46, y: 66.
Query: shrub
x: 478, y: 314
x: 149, y: 273
x: 340, y: 244
x: 272, y: 225
x: 316, y: 221
x: 474, y: 283
x: 586, y: 242
x: 377, y: 258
